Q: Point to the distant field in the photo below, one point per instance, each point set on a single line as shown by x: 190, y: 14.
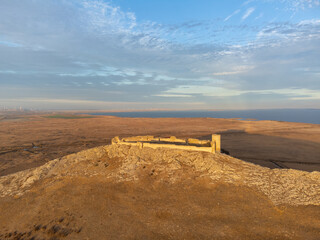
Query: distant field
x: 68, y: 116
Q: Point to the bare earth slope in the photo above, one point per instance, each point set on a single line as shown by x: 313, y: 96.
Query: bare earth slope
x: 122, y: 192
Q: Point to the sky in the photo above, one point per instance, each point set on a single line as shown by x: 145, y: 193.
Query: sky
x: 159, y: 54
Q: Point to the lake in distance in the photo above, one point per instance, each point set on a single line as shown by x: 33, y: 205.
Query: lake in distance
x: 287, y: 115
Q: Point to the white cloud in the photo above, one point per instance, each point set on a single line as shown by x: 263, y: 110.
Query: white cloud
x: 103, y: 45
x: 232, y: 14
x: 226, y: 73
x: 248, y: 13
x: 105, y: 17
x: 247, y: 2
x: 204, y: 90
x: 302, y: 4
x: 130, y: 82
x: 309, y: 22
x: 173, y: 95
x: 291, y: 93
x: 292, y: 5
x: 235, y: 70
x: 49, y: 103
x: 10, y: 44
x: 164, y: 78
x: 295, y: 93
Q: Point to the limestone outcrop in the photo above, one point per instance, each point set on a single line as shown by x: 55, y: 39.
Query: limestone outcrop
x: 123, y: 163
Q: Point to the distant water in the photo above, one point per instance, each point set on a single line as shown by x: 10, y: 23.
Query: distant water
x: 287, y: 115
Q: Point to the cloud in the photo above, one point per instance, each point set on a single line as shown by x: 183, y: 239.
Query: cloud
x: 203, y: 90
x: 235, y: 70
x: 295, y: 94
x: 212, y: 91
x: 302, y: 4
x: 10, y: 44
x: 67, y: 104
x: 304, y: 29
x: 290, y: 5
x: 173, y: 95
x: 248, y: 13
x: 95, y: 51
x: 231, y: 15
x: 247, y: 2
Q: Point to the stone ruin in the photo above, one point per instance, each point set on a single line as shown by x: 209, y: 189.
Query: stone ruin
x: 212, y: 146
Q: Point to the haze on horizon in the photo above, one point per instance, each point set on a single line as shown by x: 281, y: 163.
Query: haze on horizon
x: 82, y: 54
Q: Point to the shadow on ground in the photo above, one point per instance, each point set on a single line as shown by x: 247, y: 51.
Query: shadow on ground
x: 271, y: 151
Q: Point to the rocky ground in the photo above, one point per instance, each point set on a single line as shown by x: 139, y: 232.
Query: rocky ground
x: 123, y: 192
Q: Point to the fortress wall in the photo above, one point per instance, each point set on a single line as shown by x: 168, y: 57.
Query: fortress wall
x: 150, y: 141
x: 172, y: 139
x: 139, y: 138
x: 216, y: 138
x: 192, y: 148
x: 172, y: 146
x: 197, y: 141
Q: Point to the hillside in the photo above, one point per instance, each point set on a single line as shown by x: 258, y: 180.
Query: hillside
x: 122, y: 192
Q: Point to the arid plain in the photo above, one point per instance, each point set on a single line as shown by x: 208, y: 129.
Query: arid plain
x: 31, y: 140
x: 125, y: 193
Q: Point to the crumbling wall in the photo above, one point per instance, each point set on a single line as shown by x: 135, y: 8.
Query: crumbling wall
x: 213, y: 145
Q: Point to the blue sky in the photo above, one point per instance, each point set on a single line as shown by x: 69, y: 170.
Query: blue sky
x: 126, y: 55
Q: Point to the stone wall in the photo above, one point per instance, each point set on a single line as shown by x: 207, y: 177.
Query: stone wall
x: 213, y: 145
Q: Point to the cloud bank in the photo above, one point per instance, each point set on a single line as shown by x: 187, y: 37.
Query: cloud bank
x: 90, y: 54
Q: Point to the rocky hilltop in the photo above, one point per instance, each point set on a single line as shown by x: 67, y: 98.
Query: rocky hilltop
x: 123, y: 192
